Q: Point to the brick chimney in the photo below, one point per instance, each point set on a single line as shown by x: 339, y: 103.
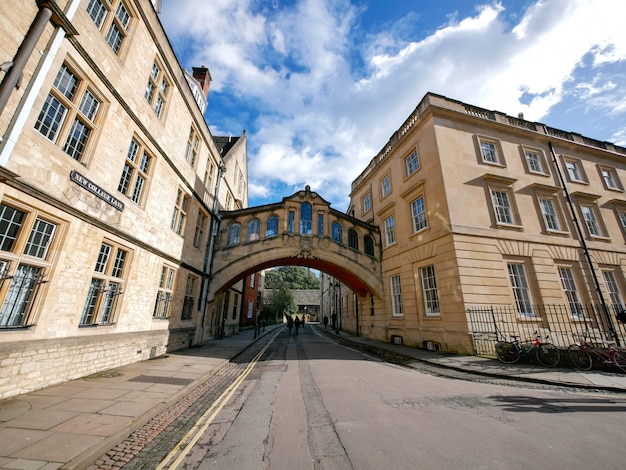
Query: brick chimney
x: 203, y: 76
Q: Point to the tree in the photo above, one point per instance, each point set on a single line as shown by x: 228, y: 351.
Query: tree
x: 281, y: 302
x: 296, y: 277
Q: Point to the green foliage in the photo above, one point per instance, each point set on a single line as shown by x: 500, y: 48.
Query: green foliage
x: 295, y: 277
x: 281, y: 302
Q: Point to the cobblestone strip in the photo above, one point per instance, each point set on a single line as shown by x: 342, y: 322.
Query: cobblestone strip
x: 150, y: 443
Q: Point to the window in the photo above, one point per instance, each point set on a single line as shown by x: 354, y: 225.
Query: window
x: 613, y: 289
x: 621, y: 215
x: 190, y: 290
x: 201, y: 224
x: 412, y: 163
x: 591, y: 220
x: 385, y: 186
x: 208, y: 174
x: 521, y: 289
x: 368, y: 245
x: 193, y: 147
x: 367, y: 203
x: 254, y: 230
x: 105, y: 287
x: 157, y: 88
x: 233, y: 236
x: 235, y: 305
x: 396, y: 296
x: 114, y: 24
x: 25, y: 242
x: 179, y: 213
x: 291, y: 221
x: 164, y: 293
x: 69, y: 113
x: 229, y: 200
x: 610, y: 178
x: 574, y: 170
x: 571, y: 292
x: 429, y: 290
x: 548, y: 211
x: 250, y: 308
x: 272, y: 227
x: 252, y: 278
x: 418, y: 212
x: 489, y: 152
x: 353, y: 239
x: 390, y: 230
x: 337, y: 232
x: 306, y: 219
x: 535, y: 161
x: 320, y: 225
x: 372, y: 311
x: 136, y: 170
x: 502, y: 207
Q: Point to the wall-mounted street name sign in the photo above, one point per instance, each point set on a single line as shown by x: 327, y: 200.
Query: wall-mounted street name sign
x: 96, y: 190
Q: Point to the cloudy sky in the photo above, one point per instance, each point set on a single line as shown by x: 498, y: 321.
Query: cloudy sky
x: 321, y: 85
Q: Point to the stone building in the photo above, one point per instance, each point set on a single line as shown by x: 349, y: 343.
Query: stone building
x: 473, y: 211
x: 108, y: 177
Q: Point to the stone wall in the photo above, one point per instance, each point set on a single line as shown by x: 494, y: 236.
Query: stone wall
x: 32, y: 365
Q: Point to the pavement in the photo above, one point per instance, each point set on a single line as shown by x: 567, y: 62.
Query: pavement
x: 70, y: 425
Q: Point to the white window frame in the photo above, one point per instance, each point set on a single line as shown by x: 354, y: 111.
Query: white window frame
x: 503, y: 206
x: 385, y: 186
x: 613, y: 287
x: 412, y: 163
x: 535, y: 161
x: 570, y: 289
x: 135, y: 176
x: 390, y: 230
x: 490, y: 151
x: 165, y: 292
x: 367, y: 203
x: 396, y: 296
x: 575, y: 170
x: 593, y: 221
x: 521, y: 288
x: 552, y: 218
x: 418, y: 214
x: 610, y: 178
x: 430, y: 294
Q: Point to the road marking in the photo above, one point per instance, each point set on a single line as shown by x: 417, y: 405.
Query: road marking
x: 185, y: 445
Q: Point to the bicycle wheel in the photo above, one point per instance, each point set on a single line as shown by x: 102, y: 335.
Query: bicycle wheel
x: 507, y: 352
x: 580, y: 357
x: 548, y: 355
x: 619, y: 360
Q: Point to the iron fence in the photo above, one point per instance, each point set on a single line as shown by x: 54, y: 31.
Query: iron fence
x: 561, y: 325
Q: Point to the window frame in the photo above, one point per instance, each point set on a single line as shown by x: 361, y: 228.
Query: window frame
x: 366, y: 203
x: 615, y: 286
x: 430, y: 293
x: 253, y: 230
x: 112, y: 22
x: 385, y: 186
x: 496, y: 149
x: 612, y: 174
x: 108, y: 281
x: 232, y: 238
x: 273, y: 220
x: 179, y: 213
x: 157, y: 90
x: 571, y: 291
x: 201, y: 228
x: 412, y: 163
x: 541, y: 161
x: 136, y: 170
x: 73, y: 131
x: 190, y: 297
x: 165, y: 293
x: 419, y: 219
x: 397, y: 309
x: 521, y: 288
x: 17, y: 258
x: 192, y: 147
x: 390, y: 230
x: 575, y: 163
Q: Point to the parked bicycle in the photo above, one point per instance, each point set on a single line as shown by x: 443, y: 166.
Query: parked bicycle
x: 584, y: 354
x: 546, y: 354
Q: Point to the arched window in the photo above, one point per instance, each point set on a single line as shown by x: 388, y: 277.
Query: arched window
x: 353, y: 239
x: 254, y: 230
x: 306, y: 219
x: 337, y: 232
x: 368, y: 244
x: 234, y: 234
x: 272, y: 227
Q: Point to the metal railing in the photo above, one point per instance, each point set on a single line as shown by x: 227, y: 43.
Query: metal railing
x: 561, y: 325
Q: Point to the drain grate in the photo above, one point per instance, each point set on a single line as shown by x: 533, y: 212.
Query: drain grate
x: 161, y: 380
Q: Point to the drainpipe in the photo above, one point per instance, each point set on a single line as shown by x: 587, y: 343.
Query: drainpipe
x: 208, y: 259
x: 48, y: 11
x: 584, y: 247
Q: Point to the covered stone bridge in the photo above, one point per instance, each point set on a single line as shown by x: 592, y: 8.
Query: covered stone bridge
x: 301, y: 230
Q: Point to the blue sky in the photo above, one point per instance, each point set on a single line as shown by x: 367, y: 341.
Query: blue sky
x: 321, y: 85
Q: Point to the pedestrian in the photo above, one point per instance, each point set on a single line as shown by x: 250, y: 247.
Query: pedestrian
x: 297, y: 324
x: 289, y: 323
x: 302, y: 322
x: 334, y: 319
x: 325, y: 321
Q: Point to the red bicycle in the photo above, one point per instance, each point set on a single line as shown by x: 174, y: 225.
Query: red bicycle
x: 584, y: 354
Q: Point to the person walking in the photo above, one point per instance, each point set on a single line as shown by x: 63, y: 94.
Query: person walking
x: 325, y: 321
x: 289, y: 323
x: 297, y: 324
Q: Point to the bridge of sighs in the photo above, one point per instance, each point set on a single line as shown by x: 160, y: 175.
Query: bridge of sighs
x: 301, y: 230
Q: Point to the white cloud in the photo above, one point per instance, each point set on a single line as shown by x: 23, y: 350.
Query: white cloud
x: 322, y: 116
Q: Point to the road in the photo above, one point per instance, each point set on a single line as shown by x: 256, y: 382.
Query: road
x: 305, y: 402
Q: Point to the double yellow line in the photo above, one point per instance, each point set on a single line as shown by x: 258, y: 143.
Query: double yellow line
x: 185, y: 445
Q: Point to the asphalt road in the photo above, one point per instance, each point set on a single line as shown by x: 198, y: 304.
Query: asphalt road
x: 307, y: 403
